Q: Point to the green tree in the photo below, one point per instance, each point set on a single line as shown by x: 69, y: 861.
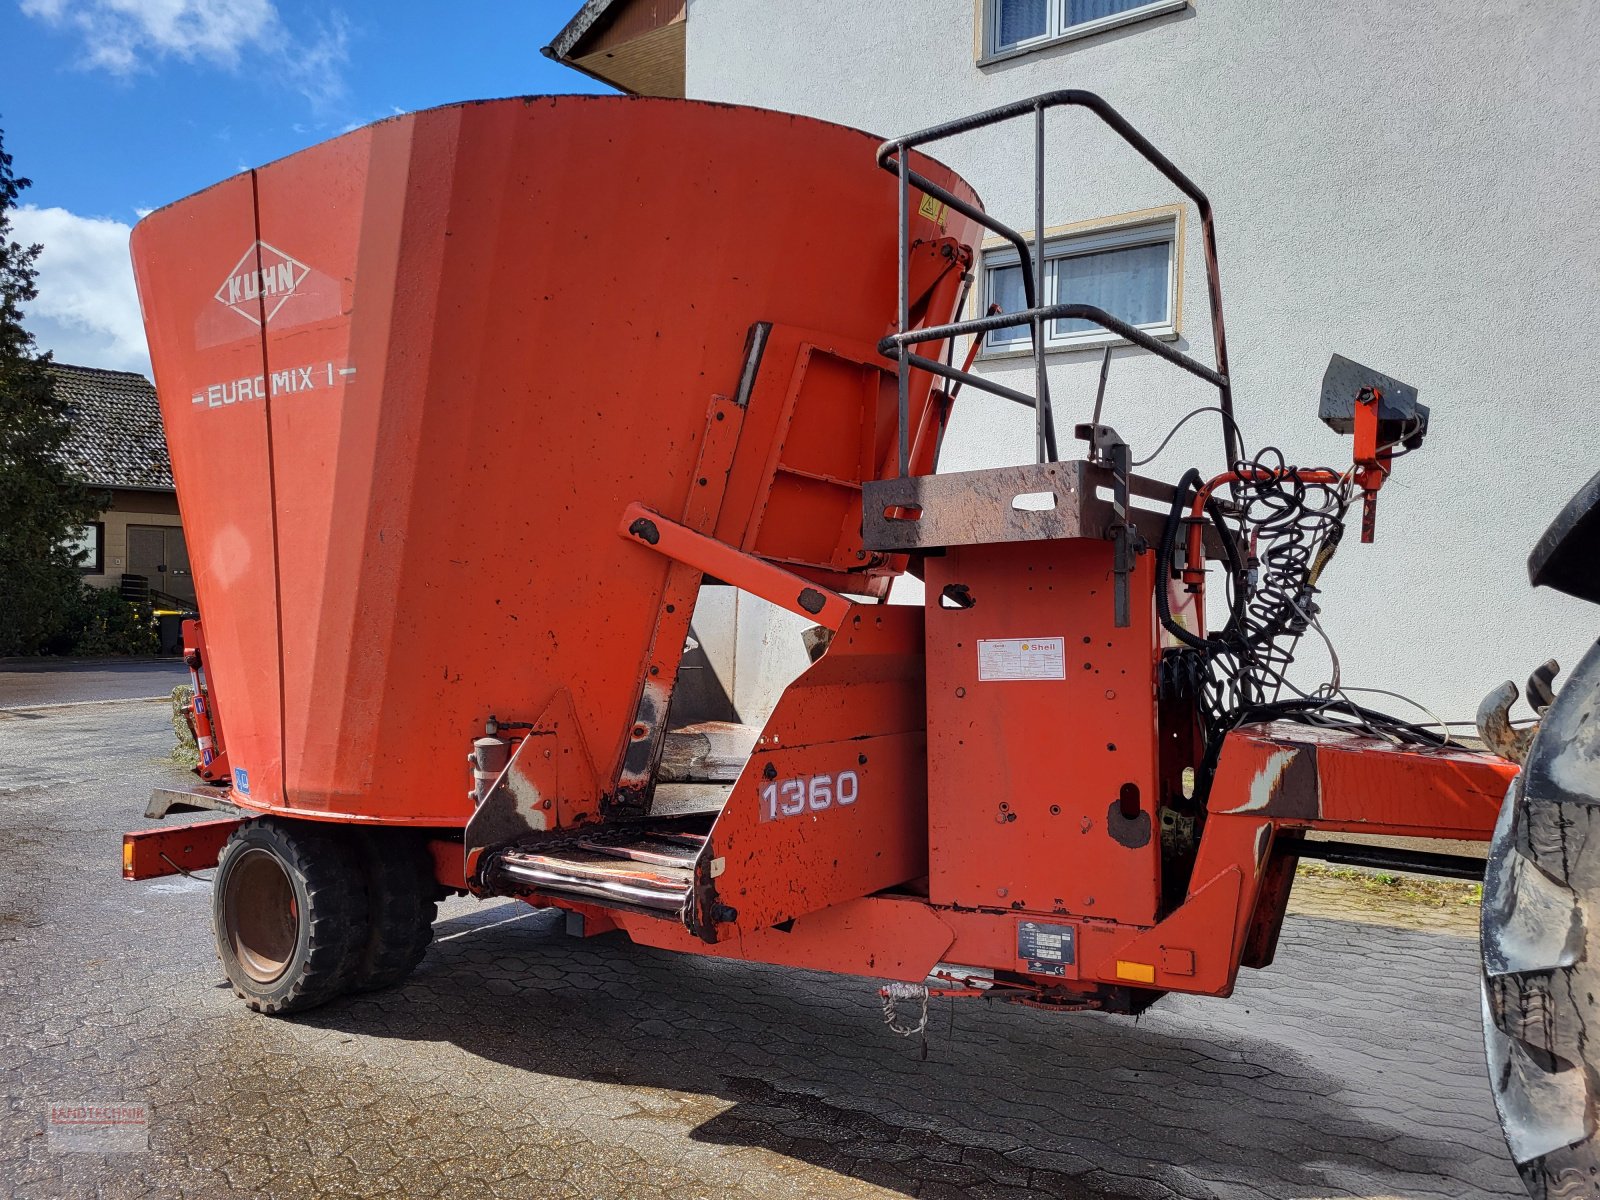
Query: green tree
x: 40, y: 505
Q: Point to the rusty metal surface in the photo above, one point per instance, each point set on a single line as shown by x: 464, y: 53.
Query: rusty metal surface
x: 707, y: 752
x: 966, y: 508
x: 193, y: 798
x: 970, y: 507
x: 1495, y: 728
x: 549, y: 784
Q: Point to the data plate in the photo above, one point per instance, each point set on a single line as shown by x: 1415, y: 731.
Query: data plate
x: 1047, y: 949
x: 1022, y: 658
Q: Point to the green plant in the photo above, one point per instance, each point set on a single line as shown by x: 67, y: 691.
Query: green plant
x: 40, y: 505
x: 97, y: 622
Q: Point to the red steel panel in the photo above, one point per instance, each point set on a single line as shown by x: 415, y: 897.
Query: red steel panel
x: 1332, y: 780
x: 174, y: 849
x: 433, y: 362
x: 833, y: 803
x: 1027, y: 772
x: 201, y: 348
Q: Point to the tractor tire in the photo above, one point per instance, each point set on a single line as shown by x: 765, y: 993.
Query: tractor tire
x: 401, y: 906
x: 1541, y: 972
x: 289, y: 913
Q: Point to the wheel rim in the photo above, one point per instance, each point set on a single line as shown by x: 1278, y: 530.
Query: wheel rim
x: 262, y: 917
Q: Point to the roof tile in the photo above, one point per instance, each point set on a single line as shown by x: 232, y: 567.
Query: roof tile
x: 116, y: 439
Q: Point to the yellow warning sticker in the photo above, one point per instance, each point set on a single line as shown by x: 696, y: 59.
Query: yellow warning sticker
x: 934, y: 210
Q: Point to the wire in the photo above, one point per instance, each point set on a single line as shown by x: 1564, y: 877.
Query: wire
x: 182, y: 871
x: 1282, y: 531
x: 1171, y: 433
x: 1433, y: 716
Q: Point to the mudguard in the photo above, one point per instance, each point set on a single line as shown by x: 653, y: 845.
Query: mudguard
x: 1567, y: 557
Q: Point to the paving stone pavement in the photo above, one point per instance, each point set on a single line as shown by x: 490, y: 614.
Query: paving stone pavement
x: 521, y: 1062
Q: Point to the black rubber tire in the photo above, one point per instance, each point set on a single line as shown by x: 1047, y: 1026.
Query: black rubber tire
x: 401, y: 907
x: 1541, y: 958
x: 317, y: 936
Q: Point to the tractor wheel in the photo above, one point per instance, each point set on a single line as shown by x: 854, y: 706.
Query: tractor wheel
x: 1541, y: 974
x: 400, y: 903
x: 290, y: 915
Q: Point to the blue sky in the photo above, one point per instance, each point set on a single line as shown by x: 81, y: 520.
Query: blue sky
x: 115, y: 107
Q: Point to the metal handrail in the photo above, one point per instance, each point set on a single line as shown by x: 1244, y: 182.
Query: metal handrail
x: 892, y: 156
x: 1053, y: 312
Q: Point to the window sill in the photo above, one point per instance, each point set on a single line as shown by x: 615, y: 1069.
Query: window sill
x: 1088, y: 29
x: 1092, y: 341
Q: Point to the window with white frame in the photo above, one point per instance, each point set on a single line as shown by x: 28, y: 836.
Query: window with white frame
x: 1130, y: 271
x: 1022, y: 24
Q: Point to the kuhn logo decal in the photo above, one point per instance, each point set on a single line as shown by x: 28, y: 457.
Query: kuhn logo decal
x: 264, y: 281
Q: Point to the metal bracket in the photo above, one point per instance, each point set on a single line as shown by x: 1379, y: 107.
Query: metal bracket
x: 549, y: 783
x: 745, y: 571
x: 970, y: 508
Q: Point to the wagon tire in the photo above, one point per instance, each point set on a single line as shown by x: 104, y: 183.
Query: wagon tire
x: 289, y: 913
x: 401, y: 892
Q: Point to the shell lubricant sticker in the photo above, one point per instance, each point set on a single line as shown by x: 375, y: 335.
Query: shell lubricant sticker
x: 934, y: 210
x: 1022, y: 658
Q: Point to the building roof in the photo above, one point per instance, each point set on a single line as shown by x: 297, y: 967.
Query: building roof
x: 116, y: 439
x: 634, y: 45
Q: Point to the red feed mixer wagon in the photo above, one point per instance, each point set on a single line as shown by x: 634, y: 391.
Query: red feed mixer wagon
x: 466, y: 407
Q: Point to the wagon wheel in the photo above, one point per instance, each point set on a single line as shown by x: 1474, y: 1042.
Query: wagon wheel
x: 290, y: 915
x: 401, y: 895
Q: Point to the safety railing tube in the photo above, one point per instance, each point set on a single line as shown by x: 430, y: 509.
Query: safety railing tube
x: 894, y: 156
x: 903, y: 369
x: 1052, y: 312
x: 1044, y: 419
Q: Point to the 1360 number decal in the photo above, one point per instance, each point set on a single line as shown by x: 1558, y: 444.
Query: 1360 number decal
x: 791, y: 797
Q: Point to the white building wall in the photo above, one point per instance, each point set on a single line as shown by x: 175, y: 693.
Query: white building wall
x: 1413, y: 185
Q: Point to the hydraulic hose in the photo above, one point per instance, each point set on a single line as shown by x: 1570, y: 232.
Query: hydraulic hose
x: 1192, y: 479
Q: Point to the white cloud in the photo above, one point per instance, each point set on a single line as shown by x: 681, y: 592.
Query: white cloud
x: 125, y: 37
x: 87, y: 310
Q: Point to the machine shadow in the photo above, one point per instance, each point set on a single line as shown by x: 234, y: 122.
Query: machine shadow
x: 1008, y: 1101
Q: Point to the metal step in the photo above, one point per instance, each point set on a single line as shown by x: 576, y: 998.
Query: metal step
x: 641, y: 869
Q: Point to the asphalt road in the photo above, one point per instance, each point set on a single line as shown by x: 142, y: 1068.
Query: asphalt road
x: 520, y: 1062
x: 28, y: 682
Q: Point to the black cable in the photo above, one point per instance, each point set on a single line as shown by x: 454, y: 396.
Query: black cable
x: 1290, y: 527
x: 1184, y: 420
x: 1169, y: 534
